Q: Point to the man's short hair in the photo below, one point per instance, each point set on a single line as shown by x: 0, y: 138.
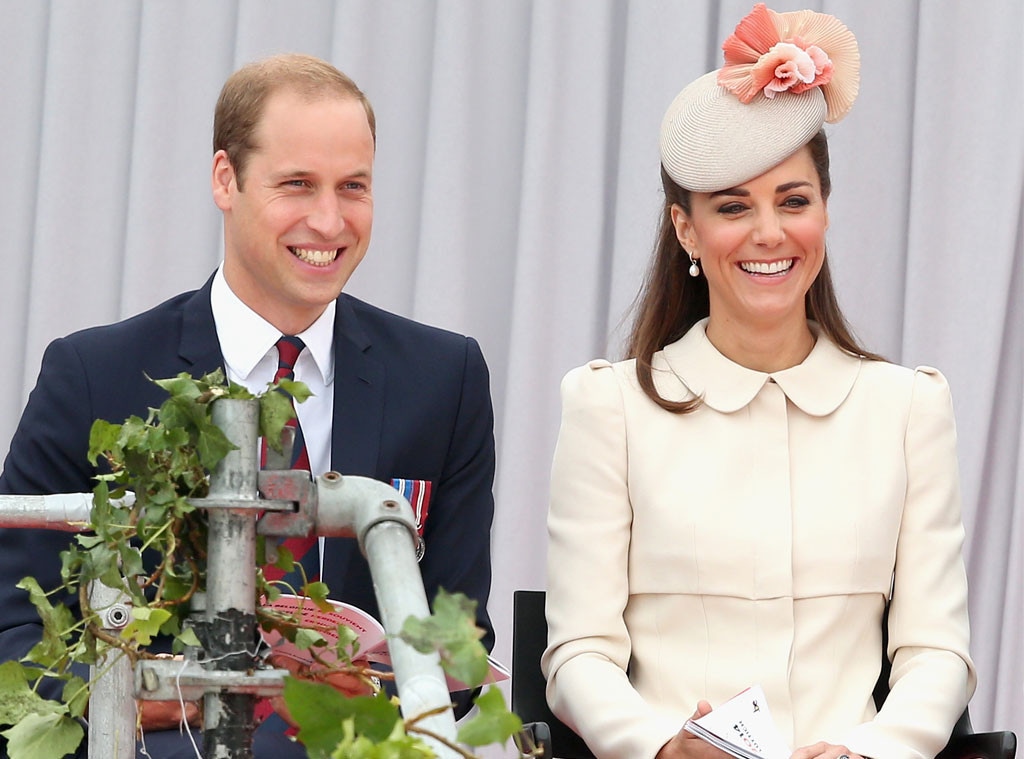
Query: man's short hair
x: 245, y: 93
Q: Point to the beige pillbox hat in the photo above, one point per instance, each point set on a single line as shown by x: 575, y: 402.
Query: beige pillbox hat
x: 786, y: 75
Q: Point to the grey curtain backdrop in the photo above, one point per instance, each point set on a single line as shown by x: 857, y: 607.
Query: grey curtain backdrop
x: 517, y: 196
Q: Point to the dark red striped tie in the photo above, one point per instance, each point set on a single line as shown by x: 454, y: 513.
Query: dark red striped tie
x: 303, y: 549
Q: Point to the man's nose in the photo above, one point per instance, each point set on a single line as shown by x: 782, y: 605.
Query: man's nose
x: 326, y: 217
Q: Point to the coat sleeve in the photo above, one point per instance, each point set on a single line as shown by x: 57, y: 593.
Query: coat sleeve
x: 458, y: 536
x: 933, y: 676
x: 47, y: 455
x: 588, y: 587
x: 458, y: 556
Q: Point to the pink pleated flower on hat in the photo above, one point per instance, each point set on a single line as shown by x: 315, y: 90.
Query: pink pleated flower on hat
x: 792, y: 52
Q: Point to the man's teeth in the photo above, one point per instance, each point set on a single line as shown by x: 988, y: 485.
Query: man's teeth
x: 760, y: 267
x: 315, y: 257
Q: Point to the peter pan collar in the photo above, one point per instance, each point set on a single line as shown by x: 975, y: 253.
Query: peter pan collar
x: 692, y: 366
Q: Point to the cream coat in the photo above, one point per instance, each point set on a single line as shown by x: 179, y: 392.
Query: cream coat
x: 754, y: 541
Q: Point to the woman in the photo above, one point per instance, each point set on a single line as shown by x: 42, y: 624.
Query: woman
x: 733, y: 504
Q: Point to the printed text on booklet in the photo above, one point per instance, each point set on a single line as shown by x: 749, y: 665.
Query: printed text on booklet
x: 742, y: 727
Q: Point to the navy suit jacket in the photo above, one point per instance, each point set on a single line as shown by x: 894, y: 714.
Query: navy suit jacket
x: 410, y: 401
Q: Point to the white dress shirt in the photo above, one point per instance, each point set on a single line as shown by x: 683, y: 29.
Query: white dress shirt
x: 248, y: 345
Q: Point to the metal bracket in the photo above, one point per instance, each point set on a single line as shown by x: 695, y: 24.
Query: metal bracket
x: 171, y: 680
x: 294, y: 488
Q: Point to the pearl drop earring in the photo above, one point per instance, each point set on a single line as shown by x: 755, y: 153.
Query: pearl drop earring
x: 694, y: 269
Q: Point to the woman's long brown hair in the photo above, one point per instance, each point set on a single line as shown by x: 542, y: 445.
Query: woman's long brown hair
x: 670, y: 301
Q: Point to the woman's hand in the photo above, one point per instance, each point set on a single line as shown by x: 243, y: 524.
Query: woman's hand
x: 686, y: 745
x: 822, y: 750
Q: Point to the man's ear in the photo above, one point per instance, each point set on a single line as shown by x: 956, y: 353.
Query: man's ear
x: 223, y: 181
x: 684, y: 227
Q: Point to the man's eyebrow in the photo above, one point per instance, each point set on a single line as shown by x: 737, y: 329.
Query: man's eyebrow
x: 292, y: 173
x: 297, y: 173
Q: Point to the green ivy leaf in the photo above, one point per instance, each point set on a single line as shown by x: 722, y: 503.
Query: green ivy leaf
x: 320, y: 711
x: 285, y: 559
x: 276, y: 411
x: 348, y: 643
x: 103, y: 437
x: 100, y: 562
x: 43, y: 736
x: 88, y: 541
x: 131, y: 562
x: 213, y: 445
x: 102, y: 510
x: 306, y: 638
x: 493, y: 723
x: 70, y: 567
x: 184, y: 385
x: 131, y: 435
x: 57, y: 621
x: 451, y: 621
x: 297, y: 390
x: 451, y: 631
x: 187, y: 637
x: 318, y: 593
x: 76, y: 696
x: 399, y: 745
x: 19, y: 699
x: 145, y: 624
x: 176, y: 586
x: 84, y: 650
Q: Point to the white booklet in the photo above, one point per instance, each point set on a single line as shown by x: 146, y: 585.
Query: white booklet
x: 371, y: 637
x: 742, y: 727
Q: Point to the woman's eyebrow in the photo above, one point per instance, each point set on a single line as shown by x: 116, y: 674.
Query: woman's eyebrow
x: 742, y: 192
x: 792, y: 186
x: 732, y: 191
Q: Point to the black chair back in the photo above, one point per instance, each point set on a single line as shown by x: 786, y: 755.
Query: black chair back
x: 529, y: 639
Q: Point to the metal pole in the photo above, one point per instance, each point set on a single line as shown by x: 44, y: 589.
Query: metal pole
x: 229, y: 638
x: 384, y: 524
x: 421, y: 682
x: 66, y: 512
x: 112, y: 707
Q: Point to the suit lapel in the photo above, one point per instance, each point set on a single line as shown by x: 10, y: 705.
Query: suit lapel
x: 199, y: 346
x: 359, y: 383
x: 356, y: 429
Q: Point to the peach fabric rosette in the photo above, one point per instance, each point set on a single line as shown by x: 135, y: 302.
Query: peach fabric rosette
x: 792, y: 52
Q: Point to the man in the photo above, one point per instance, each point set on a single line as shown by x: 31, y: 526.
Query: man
x: 292, y: 174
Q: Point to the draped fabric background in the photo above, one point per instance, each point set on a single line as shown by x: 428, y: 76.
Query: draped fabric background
x: 517, y: 198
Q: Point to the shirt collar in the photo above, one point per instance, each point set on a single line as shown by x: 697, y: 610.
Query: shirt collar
x: 246, y: 337
x: 692, y: 366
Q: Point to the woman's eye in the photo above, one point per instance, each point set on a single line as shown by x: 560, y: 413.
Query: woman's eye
x: 797, y: 201
x: 732, y: 208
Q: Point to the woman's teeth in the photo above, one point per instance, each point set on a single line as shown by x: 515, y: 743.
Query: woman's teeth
x: 761, y: 267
